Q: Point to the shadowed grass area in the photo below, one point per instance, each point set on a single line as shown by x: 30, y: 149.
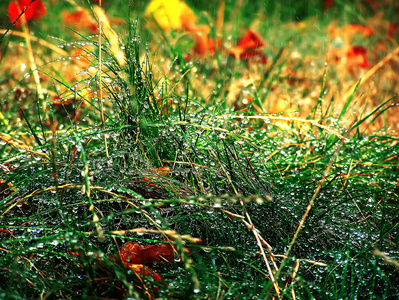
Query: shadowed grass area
x: 269, y: 178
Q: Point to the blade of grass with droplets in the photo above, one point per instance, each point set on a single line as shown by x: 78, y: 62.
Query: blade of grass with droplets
x: 348, y: 102
x: 32, y: 130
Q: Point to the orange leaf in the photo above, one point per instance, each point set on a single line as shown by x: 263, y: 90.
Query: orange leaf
x: 133, y: 253
x: 80, y: 19
x: 3, y: 187
x: 145, y: 271
x: 358, y: 28
x: 164, y: 171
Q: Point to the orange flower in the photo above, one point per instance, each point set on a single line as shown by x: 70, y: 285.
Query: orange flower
x: 35, y: 10
x: 248, y: 48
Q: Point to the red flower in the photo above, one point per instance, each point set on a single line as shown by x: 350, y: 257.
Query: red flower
x: 36, y: 10
x: 248, y: 48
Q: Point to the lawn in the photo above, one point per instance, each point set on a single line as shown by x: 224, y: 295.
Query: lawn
x: 226, y: 149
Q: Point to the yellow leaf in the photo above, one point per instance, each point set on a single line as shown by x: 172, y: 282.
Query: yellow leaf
x: 171, y: 14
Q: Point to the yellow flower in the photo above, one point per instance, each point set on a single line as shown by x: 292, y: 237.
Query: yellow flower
x: 171, y: 14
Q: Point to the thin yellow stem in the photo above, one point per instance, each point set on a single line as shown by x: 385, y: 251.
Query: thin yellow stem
x: 100, y: 96
x: 31, y: 57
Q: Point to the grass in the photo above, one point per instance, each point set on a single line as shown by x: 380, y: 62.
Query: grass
x: 269, y: 181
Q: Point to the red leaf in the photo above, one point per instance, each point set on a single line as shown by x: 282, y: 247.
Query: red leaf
x: 255, y: 55
x: 328, y: 4
x: 5, y: 231
x: 357, y: 55
x: 36, y: 10
x: 250, y: 41
x: 393, y: 28
x: 374, y: 4
x: 248, y: 48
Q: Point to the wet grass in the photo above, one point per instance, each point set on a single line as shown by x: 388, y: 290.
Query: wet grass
x: 299, y: 203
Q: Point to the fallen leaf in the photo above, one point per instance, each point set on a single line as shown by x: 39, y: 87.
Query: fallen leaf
x: 349, y: 57
x: 59, y: 102
x: 248, y: 48
x: 205, y: 45
x: 171, y: 14
x: 145, y: 271
x: 80, y: 19
x: 6, y: 189
x: 151, y: 189
x: 356, y: 56
x: 393, y: 29
x: 347, y: 33
x: 133, y: 253
x: 353, y: 29
x: 374, y: 4
x: 328, y: 4
x: 4, y: 232
x: 163, y: 171
x: 250, y: 41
